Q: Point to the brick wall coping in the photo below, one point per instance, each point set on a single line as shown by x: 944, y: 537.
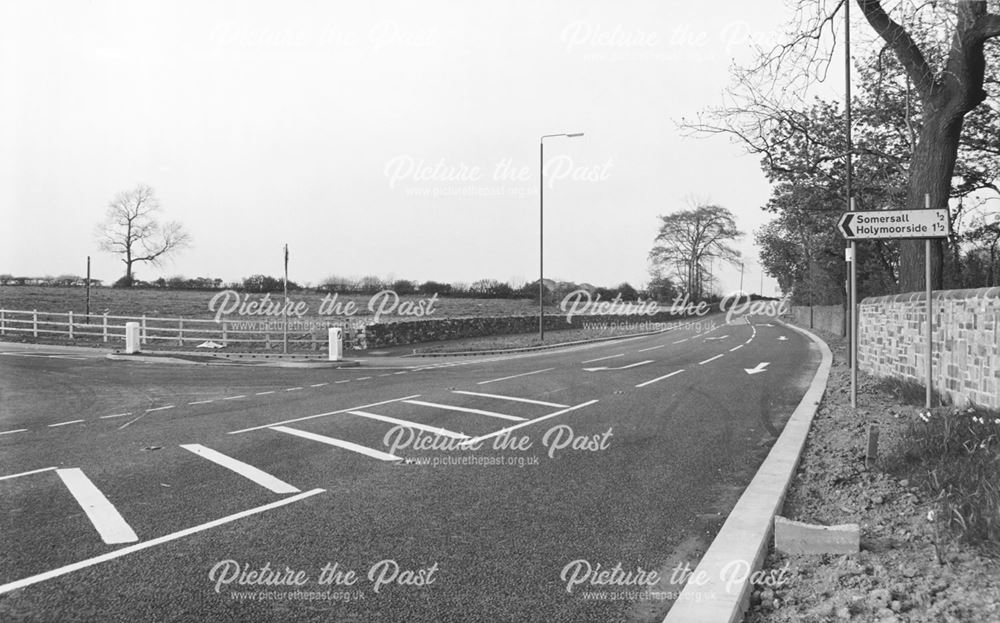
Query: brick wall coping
x: 909, y: 297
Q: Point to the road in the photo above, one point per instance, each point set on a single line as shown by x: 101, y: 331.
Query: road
x: 152, y: 492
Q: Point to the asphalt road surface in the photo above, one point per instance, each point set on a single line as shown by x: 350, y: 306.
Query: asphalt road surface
x: 494, y: 489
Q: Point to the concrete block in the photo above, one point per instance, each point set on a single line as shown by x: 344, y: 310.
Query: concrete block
x: 796, y: 537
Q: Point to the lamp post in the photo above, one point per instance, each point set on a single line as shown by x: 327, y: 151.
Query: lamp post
x: 541, y: 229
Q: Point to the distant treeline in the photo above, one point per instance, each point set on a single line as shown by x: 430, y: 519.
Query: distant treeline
x: 658, y: 289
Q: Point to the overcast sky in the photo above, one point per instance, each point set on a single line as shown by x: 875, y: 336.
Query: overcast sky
x: 389, y: 138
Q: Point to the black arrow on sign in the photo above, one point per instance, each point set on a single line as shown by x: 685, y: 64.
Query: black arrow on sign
x: 844, y: 225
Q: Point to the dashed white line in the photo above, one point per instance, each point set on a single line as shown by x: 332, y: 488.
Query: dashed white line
x: 318, y: 384
x: 243, y: 469
x: 604, y: 358
x: 106, y: 519
x: 709, y: 360
x: 66, y: 423
x: 96, y: 560
x: 507, y: 378
x: 164, y: 408
x: 502, y: 416
x: 736, y: 348
x: 34, y: 471
x: 443, y: 432
x: 682, y: 341
x: 512, y: 398
x: 11, y: 432
x: 310, y: 417
x: 293, y: 389
x: 364, y: 378
x: 108, y: 417
x: 201, y: 402
x: 241, y: 396
x: 264, y: 393
x: 386, y: 374
x: 403, y: 372
x: 344, y: 381
x: 338, y: 443
x: 651, y: 348
x: 665, y: 376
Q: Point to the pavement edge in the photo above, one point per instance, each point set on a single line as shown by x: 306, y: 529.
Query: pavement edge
x: 742, y: 542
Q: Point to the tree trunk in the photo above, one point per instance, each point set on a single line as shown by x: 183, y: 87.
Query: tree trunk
x: 930, y: 174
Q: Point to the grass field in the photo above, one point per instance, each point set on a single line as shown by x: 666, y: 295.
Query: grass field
x: 195, y: 304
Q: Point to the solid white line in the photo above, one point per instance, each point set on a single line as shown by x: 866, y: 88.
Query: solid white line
x: 318, y: 384
x: 436, y: 405
x: 391, y: 420
x: 604, y: 358
x: 526, y: 400
x: 109, y: 523
x: 709, y: 360
x: 96, y: 560
x: 665, y: 376
x: 264, y: 393
x: 34, y: 471
x: 235, y: 397
x: 680, y: 341
x: 651, y: 348
x: 201, y: 402
x: 339, y: 443
x: 160, y: 408
x: 736, y: 348
x: 528, y: 423
x: 11, y: 432
x: 247, y: 471
x: 293, y: 389
x: 507, y: 378
x: 65, y: 423
x: 309, y: 417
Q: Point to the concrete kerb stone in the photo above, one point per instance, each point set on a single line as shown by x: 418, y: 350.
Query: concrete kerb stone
x: 208, y: 360
x: 745, y: 535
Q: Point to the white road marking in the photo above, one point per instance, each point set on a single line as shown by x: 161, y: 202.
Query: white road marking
x: 604, y: 358
x: 235, y: 397
x: 386, y: 374
x: 709, y: 360
x: 264, y: 393
x: 66, y: 423
x: 682, y: 341
x: 736, y: 348
x: 247, y: 471
x: 309, y: 417
x: 201, y: 402
x: 528, y: 423
x: 11, y: 432
x: 364, y: 378
x: 391, y: 420
x: 109, y: 523
x: 507, y: 378
x: 660, y: 378
x: 514, y: 399
x: 651, y: 348
x: 293, y: 389
x: 160, y: 408
x: 436, y: 405
x: 631, y: 365
x: 345, y: 381
x: 403, y: 372
x: 339, y: 443
x: 34, y: 471
x: 96, y: 560
x: 318, y: 384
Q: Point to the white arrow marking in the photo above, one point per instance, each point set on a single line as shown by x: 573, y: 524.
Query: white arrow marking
x: 782, y: 338
x: 761, y: 367
x: 634, y: 365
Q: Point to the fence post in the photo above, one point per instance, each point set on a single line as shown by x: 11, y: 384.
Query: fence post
x: 224, y: 337
x: 180, y: 332
x: 144, y: 328
x: 70, y: 324
x: 34, y: 322
x: 105, y: 329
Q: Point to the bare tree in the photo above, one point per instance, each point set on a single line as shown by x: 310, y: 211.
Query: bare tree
x: 132, y: 230
x: 690, y: 239
x: 946, y: 68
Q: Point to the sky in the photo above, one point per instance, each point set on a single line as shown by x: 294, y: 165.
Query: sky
x: 395, y: 139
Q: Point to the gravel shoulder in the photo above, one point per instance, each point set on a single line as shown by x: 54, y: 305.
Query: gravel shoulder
x: 909, y: 569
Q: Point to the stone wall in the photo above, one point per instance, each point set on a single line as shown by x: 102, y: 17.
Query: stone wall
x: 829, y: 318
x: 965, y: 338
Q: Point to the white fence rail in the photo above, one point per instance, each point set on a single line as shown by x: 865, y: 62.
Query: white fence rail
x: 310, y: 333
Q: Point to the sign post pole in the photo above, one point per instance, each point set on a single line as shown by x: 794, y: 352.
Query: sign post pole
x: 930, y: 325
x: 853, y: 303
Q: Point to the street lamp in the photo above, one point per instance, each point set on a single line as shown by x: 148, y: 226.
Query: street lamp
x: 541, y: 230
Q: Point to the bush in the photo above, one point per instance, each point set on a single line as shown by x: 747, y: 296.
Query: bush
x: 126, y: 281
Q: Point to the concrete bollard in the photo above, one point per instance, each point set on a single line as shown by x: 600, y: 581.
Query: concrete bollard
x: 131, y: 338
x: 336, y: 344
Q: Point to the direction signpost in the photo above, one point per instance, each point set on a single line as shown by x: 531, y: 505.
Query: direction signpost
x: 885, y: 225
